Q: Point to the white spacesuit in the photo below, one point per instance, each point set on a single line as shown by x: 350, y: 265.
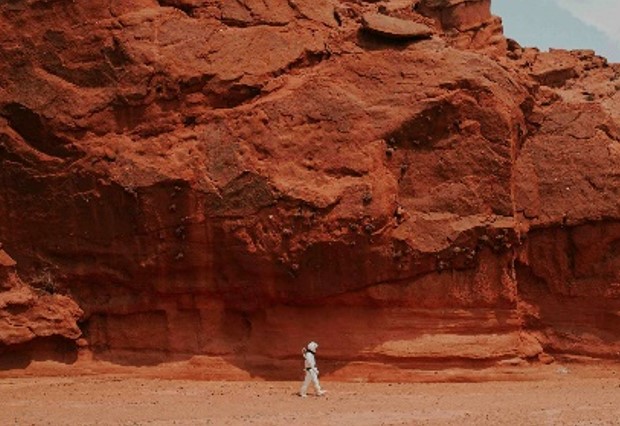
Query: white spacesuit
x: 312, y: 372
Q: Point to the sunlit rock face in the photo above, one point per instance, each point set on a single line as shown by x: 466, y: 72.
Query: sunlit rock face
x: 223, y: 181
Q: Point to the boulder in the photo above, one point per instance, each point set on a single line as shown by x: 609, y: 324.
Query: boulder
x: 394, y: 28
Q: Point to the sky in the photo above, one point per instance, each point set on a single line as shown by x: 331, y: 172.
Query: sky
x: 567, y: 24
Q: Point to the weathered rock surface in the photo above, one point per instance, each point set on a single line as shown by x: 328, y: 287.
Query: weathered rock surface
x: 228, y: 179
x: 394, y: 28
x: 27, y: 314
x: 467, y: 23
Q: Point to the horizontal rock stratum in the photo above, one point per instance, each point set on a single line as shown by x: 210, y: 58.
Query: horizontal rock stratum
x: 221, y: 182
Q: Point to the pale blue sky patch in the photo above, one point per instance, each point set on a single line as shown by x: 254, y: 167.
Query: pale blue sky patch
x: 566, y: 24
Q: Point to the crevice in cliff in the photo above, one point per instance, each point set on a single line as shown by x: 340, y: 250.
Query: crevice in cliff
x: 308, y: 59
x: 187, y: 8
x: 36, y: 132
x: 117, y: 55
x: 54, y: 348
x: 373, y: 42
x: 16, y: 309
x: 14, y: 158
x: 233, y: 95
x: 255, y: 21
x: 612, y: 134
x: 341, y: 172
x: 434, y: 123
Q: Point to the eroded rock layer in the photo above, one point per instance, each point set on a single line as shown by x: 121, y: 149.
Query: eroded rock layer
x: 228, y: 179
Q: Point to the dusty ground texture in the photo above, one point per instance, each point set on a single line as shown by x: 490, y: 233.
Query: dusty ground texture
x: 574, y: 396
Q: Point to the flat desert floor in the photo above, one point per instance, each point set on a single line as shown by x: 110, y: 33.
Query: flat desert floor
x: 567, y: 398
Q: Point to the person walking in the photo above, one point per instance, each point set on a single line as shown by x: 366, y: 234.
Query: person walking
x: 311, y: 370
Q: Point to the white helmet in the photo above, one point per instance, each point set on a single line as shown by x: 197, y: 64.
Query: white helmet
x: 312, y: 346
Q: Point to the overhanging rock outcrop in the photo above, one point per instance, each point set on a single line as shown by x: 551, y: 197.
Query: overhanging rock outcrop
x: 29, y: 318
x: 394, y: 28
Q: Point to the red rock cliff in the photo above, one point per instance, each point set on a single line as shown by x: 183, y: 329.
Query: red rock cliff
x: 203, y: 179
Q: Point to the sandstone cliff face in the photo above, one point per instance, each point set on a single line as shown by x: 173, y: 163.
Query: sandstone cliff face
x: 229, y: 179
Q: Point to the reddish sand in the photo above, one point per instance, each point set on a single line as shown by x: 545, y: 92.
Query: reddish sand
x: 573, y: 395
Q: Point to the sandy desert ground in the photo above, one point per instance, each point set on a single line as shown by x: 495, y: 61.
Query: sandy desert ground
x: 573, y: 396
